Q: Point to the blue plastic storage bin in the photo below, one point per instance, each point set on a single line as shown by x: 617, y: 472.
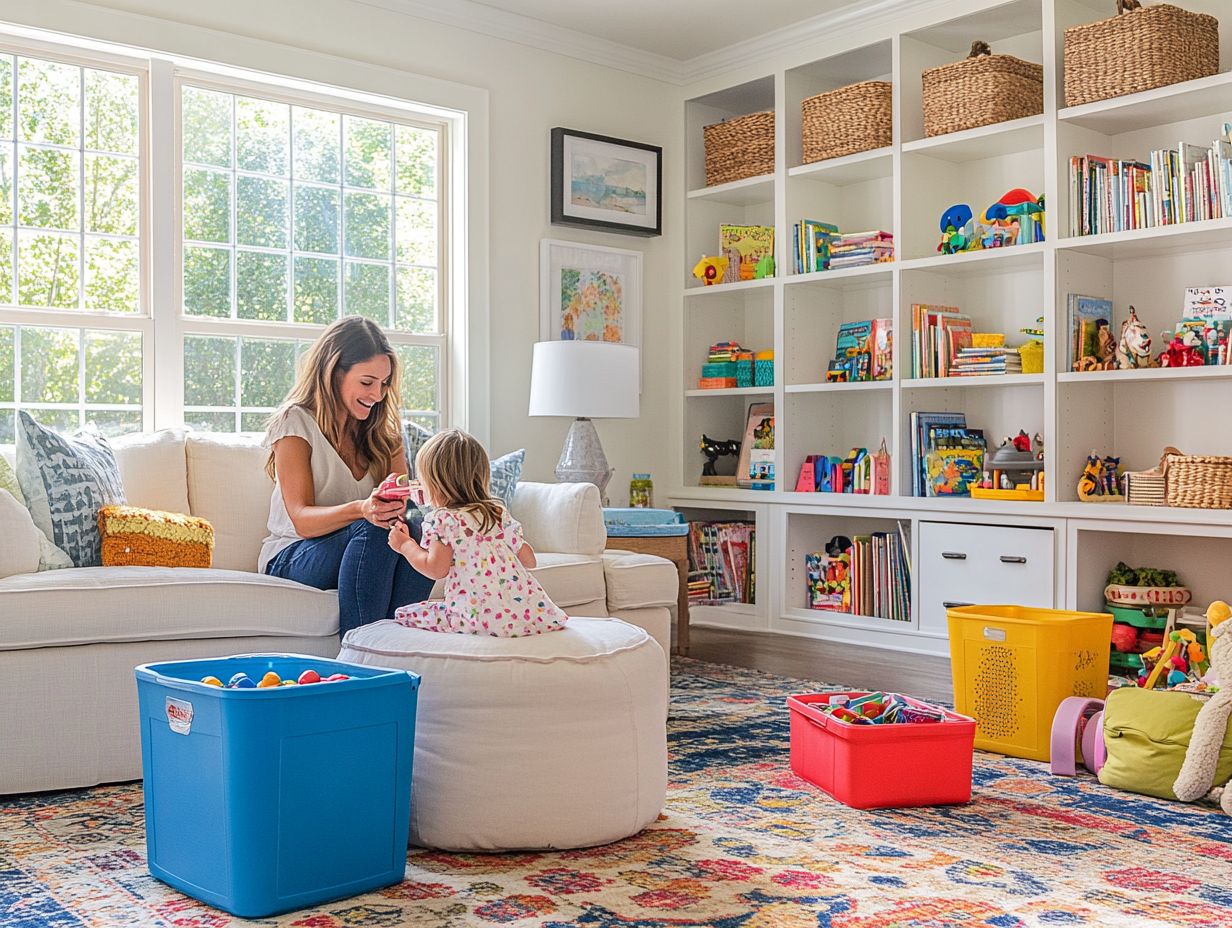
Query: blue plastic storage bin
x: 642, y: 523
x: 260, y: 801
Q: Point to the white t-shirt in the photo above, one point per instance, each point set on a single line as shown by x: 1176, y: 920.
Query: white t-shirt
x: 332, y: 481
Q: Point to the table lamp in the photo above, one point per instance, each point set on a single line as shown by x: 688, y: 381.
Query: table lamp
x: 586, y: 380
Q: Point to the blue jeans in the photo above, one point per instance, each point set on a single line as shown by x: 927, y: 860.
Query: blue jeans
x: 371, y: 578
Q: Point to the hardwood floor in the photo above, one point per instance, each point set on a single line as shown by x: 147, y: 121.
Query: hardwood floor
x: 914, y: 674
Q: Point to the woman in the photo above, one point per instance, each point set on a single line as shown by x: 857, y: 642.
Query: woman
x: 336, y: 436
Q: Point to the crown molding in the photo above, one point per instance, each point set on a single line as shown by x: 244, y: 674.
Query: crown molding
x: 524, y: 30
x: 859, y: 16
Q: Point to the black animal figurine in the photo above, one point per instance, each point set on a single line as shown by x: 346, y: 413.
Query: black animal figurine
x: 713, y: 450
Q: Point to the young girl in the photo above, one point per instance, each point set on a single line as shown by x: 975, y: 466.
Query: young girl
x: 471, y: 541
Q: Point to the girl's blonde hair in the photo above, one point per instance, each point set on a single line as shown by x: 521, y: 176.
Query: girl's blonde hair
x: 454, y: 469
x: 350, y: 341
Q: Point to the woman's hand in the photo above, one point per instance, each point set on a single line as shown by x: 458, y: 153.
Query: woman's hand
x: 382, y: 512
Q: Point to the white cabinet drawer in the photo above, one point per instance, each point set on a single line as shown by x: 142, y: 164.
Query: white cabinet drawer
x: 992, y: 564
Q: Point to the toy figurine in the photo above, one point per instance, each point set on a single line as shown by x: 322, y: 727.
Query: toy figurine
x: 1100, y: 481
x: 710, y: 270
x: 1185, y: 350
x: 1134, y: 349
x: 713, y: 450
x: 957, y: 229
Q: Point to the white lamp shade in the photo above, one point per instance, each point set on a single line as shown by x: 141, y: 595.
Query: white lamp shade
x: 593, y: 380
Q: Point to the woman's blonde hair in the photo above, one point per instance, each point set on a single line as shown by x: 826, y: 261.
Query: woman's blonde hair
x: 350, y: 341
x: 454, y: 469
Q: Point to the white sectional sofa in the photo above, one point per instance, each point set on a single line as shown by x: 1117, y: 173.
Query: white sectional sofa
x: 69, y: 639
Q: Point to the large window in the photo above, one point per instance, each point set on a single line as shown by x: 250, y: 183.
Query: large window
x: 295, y: 216
x: 293, y: 208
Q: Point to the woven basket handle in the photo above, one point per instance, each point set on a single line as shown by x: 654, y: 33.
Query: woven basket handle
x: 1163, y: 458
x: 1126, y: 6
x: 980, y: 47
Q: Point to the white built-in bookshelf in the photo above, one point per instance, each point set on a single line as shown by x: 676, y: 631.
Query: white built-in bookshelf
x: 904, y: 188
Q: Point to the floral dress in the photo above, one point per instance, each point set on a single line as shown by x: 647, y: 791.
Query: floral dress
x: 487, y: 590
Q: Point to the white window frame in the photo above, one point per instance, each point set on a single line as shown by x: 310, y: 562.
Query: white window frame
x: 462, y: 192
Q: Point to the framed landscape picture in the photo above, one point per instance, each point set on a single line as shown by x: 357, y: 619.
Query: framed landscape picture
x: 605, y: 183
x: 589, y: 293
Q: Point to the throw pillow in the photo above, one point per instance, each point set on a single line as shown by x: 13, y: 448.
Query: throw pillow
x: 506, y: 472
x: 49, y: 556
x: 19, y: 552
x: 149, y: 538
x: 413, y: 436
x: 66, y: 481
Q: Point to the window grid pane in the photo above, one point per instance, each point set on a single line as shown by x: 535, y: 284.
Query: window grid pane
x: 69, y: 177
x: 68, y: 377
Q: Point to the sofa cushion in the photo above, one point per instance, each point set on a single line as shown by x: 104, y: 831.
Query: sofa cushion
x: 564, y: 517
x: 111, y: 604
x: 635, y: 581
x: 65, y: 482
x: 19, y: 546
x: 227, y: 485
x: 153, y: 469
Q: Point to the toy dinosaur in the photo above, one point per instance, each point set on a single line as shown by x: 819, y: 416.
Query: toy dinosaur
x: 1197, y: 774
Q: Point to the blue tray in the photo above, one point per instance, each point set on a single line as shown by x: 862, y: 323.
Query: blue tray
x: 641, y: 523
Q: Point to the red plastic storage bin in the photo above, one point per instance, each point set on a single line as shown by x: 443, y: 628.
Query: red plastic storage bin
x: 881, y: 766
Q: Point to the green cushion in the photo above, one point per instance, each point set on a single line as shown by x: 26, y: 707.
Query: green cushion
x: 1147, y: 733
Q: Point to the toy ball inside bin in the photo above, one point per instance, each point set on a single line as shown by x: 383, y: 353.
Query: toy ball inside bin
x: 881, y: 766
x: 264, y: 800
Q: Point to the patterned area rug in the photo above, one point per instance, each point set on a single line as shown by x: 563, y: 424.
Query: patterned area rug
x: 742, y: 844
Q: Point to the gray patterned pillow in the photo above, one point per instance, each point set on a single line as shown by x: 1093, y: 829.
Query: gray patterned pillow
x: 66, y: 481
x: 505, y: 474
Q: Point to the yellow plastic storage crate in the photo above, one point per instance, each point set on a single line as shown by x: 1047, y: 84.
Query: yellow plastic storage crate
x: 1012, y: 666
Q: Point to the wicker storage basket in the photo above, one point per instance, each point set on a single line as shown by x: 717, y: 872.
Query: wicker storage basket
x: 1148, y: 487
x: 739, y: 148
x: 1198, y: 481
x: 983, y: 88
x: 1138, y: 49
x: 845, y: 121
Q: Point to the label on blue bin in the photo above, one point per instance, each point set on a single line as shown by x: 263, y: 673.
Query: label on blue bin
x: 179, y: 715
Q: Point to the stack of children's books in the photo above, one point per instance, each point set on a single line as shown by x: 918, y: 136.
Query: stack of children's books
x: 721, y: 563
x: 719, y: 371
x: 1186, y: 184
x: 977, y: 362
x: 857, y: 249
x: 863, y: 351
x: 871, y: 577
x: 938, y: 335
x: 947, y: 457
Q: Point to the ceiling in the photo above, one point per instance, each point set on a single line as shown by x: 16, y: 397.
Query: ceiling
x: 676, y: 29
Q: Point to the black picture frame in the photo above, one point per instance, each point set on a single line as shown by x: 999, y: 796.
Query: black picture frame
x: 645, y: 165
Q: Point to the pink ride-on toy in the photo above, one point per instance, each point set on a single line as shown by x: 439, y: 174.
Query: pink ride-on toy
x: 1078, y: 727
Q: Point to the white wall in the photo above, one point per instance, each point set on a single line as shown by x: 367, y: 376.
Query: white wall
x: 530, y: 91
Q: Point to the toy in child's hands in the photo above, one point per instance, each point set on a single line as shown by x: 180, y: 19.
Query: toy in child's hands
x: 1197, y: 775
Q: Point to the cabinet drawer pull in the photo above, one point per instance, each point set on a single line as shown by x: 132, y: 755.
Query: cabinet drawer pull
x: 1012, y: 559
x: 953, y: 555
x: 949, y: 604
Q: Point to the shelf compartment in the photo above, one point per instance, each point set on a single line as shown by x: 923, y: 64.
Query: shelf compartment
x: 832, y: 423
x: 992, y: 141
x: 750, y: 97
x: 816, y: 307
x: 744, y: 192
x: 1207, y: 96
x: 874, y: 164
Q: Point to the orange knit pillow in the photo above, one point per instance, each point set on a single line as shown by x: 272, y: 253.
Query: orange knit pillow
x: 134, y: 537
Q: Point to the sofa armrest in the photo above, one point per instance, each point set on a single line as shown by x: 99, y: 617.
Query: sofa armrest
x: 563, y: 517
x: 639, y: 581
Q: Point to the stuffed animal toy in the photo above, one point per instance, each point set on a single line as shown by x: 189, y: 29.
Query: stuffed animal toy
x: 1211, y: 726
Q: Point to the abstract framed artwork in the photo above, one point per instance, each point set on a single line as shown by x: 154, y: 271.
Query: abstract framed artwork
x: 589, y: 293
x: 606, y: 183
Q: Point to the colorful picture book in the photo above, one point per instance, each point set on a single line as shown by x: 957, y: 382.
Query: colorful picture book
x: 1090, y: 328
x: 1187, y: 184
x: 721, y: 563
x: 810, y: 248
x: 755, y: 469
x: 872, y: 577
x: 749, y: 244
x: 925, y: 441
x: 938, y: 334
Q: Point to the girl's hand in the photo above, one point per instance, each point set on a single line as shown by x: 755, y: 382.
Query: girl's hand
x: 399, y: 535
x: 382, y: 512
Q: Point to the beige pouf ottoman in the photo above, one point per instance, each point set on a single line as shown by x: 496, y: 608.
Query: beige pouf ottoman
x: 551, y: 741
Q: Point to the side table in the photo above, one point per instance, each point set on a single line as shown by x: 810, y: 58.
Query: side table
x: 663, y: 533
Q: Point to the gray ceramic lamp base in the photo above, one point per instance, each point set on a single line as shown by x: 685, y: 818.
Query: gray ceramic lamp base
x: 582, y: 459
